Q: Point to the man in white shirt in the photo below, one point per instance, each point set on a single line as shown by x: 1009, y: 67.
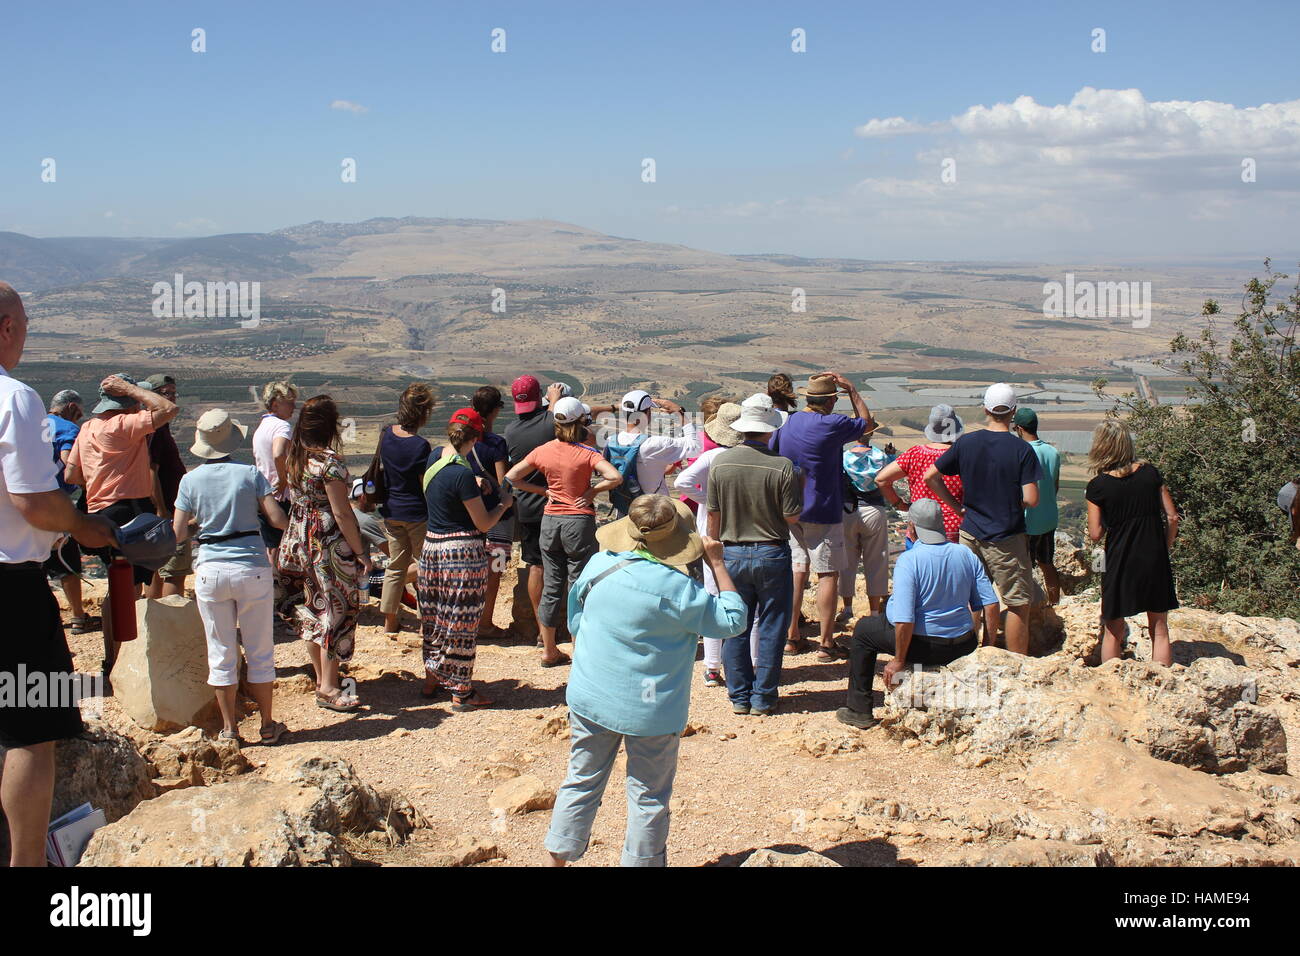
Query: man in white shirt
x: 656, y: 454
x: 33, y: 514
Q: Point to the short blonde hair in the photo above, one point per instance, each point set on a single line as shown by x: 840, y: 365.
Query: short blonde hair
x: 1112, y: 447
x: 272, y: 392
x: 571, y: 431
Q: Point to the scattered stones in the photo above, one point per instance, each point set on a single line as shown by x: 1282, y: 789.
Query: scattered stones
x: 521, y: 795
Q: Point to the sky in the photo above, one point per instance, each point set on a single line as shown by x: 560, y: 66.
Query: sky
x: 970, y: 131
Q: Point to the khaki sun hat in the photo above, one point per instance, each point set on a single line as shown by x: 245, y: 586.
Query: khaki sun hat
x: 821, y: 386
x: 216, y: 434
x: 674, y: 542
x: 719, y: 427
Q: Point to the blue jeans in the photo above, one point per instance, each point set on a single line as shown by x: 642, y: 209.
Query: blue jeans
x: 651, y: 767
x: 763, y: 577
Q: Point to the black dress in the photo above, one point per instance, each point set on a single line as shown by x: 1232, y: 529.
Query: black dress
x: 1137, y: 575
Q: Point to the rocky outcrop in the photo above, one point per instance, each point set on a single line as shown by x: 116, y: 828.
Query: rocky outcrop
x: 773, y: 857
x: 993, y: 703
x: 300, y: 812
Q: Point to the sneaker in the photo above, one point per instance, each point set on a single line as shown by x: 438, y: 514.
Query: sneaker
x: 855, y: 719
x: 763, y: 711
x: 740, y: 708
x: 713, y: 678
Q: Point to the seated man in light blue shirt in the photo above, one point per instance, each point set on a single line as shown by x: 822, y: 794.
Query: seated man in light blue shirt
x: 636, y: 617
x: 928, y: 619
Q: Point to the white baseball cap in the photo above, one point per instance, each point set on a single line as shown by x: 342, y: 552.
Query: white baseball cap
x: 569, y: 409
x: 637, y: 400
x: 1000, y: 398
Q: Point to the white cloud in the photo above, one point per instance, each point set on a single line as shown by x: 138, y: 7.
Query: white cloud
x: 885, y: 128
x: 349, y: 106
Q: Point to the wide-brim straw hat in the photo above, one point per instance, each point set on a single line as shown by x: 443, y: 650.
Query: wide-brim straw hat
x: 719, y: 427
x: 822, y: 386
x: 216, y: 434
x: 675, y: 542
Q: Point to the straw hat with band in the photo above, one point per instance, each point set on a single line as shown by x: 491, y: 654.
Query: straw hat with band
x: 216, y: 434
x: 822, y: 386
x: 719, y: 426
x: 675, y: 542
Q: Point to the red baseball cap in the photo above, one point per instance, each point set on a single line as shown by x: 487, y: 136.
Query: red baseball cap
x: 467, y: 416
x: 527, y: 393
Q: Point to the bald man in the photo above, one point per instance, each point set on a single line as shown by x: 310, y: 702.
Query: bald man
x: 34, y: 512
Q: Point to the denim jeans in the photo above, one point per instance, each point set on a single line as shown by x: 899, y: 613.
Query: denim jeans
x: 651, y: 767
x: 763, y: 577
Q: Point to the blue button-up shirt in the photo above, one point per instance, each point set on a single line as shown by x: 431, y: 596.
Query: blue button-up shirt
x: 635, y: 640
x: 936, y: 586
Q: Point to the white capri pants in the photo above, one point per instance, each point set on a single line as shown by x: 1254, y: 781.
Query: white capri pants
x: 233, y: 596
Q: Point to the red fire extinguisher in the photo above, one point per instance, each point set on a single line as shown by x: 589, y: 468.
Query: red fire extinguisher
x: 121, y: 599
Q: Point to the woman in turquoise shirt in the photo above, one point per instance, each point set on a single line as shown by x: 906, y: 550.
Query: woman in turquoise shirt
x: 636, y: 617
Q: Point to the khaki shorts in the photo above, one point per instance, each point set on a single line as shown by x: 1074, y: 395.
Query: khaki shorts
x: 818, y: 548
x: 179, y: 564
x: 1008, y: 566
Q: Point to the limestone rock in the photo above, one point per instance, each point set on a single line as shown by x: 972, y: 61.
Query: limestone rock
x: 522, y: 795
x: 465, y: 850
x: 295, y: 815
x: 1038, y: 853
x: 101, y: 767
x: 160, y: 678
x: 194, y: 756
x: 774, y: 857
x: 996, y: 703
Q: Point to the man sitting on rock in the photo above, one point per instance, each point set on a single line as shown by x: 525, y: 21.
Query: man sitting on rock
x: 927, y: 621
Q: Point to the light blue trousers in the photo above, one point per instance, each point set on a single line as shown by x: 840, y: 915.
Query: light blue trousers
x: 651, y: 767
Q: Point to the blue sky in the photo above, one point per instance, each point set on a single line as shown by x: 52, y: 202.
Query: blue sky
x: 755, y: 145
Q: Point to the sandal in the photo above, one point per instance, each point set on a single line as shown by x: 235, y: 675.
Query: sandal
x: 829, y: 655
x: 84, y: 624
x: 796, y: 647
x: 230, y: 735
x: 470, y: 702
x: 272, y: 732
x: 558, y: 662
x: 335, y: 701
x: 431, y: 693
x: 494, y: 633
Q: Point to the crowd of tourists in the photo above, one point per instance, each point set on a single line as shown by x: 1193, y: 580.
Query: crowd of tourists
x: 716, y: 525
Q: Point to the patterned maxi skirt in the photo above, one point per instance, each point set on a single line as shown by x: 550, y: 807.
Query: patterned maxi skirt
x: 451, y: 586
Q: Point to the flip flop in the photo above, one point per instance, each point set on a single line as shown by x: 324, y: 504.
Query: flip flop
x: 472, y: 702
x: 558, y: 662
x: 331, y: 702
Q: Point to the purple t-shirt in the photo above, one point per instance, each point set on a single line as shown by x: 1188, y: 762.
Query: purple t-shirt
x: 815, y: 443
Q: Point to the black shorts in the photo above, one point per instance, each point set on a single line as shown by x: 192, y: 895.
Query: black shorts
x: 530, y: 542
x: 1042, y: 547
x: 33, y: 644
x: 69, y: 554
x: 121, y: 513
x: 271, y: 535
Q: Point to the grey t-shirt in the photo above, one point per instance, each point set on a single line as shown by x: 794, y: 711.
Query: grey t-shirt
x: 755, y: 489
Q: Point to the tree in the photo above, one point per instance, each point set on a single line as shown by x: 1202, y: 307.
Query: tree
x: 1228, y: 451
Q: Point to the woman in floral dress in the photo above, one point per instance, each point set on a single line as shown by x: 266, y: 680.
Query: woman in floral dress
x: 323, y: 548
